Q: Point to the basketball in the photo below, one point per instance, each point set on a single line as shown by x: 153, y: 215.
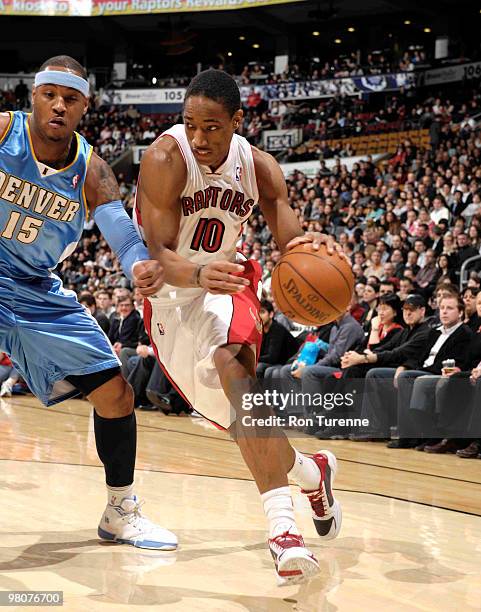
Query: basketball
x: 312, y: 287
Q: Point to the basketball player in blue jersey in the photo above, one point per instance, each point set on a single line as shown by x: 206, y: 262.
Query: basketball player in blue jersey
x: 50, y: 182
x: 198, y: 185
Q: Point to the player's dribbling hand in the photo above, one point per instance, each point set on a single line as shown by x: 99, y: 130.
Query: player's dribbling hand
x: 222, y: 277
x: 148, y: 276
x: 316, y: 239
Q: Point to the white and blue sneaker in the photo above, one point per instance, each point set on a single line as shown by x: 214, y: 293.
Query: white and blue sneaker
x: 126, y: 525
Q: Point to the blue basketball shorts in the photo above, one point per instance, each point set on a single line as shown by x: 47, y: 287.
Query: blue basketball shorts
x: 49, y: 336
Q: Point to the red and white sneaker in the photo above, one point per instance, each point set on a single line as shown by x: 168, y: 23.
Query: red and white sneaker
x: 294, y: 562
x: 326, y: 510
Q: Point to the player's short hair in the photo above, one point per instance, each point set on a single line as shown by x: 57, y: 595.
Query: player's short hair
x: 65, y: 61
x: 216, y: 85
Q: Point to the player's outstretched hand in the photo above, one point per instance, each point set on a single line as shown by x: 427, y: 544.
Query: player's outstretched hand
x: 148, y: 276
x: 222, y: 277
x: 316, y: 239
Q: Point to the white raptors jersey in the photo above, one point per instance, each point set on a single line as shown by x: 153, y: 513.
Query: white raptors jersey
x: 214, y: 207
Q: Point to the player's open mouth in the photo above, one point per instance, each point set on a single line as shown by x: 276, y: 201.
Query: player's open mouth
x: 57, y: 123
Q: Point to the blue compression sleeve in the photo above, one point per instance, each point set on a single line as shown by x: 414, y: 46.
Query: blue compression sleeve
x: 119, y: 231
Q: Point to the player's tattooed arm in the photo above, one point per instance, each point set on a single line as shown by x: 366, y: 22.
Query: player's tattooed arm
x: 4, y: 123
x: 101, y: 185
x: 118, y: 229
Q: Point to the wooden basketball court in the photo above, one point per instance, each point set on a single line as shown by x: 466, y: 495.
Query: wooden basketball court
x: 410, y: 537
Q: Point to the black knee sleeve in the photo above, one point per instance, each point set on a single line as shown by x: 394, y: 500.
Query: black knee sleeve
x: 116, y: 441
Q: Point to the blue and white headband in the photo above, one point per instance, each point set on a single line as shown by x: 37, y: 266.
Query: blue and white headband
x: 60, y: 77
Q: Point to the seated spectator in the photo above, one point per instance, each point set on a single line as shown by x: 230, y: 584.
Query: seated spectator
x: 465, y: 250
x: 163, y: 396
x: 442, y: 290
x: 406, y: 287
x: 412, y: 263
x: 455, y: 408
x: 278, y: 344
x: 427, y: 276
x: 445, y: 272
x: 387, y: 323
x: 345, y: 334
x: 356, y: 310
x: 387, y: 286
x: 375, y: 266
x: 471, y: 316
x: 416, y: 387
x: 126, y: 330
x: 138, y: 370
x: 440, y: 210
x: 379, y: 400
x: 370, y: 298
x: 88, y: 300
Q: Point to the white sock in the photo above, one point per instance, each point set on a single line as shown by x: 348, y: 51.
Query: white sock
x: 305, y: 472
x: 279, y: 511
x: 115, y: 495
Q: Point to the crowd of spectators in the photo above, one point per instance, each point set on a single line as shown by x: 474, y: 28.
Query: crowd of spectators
x: 354, y: 63
x: 346, y: 65
x: 346, y: 116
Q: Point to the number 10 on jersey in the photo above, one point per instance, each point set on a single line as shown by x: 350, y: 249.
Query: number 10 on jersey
x: 208, y: 235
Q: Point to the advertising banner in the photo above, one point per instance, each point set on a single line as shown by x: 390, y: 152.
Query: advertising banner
x: 280, y: 140
x: 131, y: 7
x: 143, y: 96
x: 46, y: 8
x: 281, y: 91
x: 451, y: 74
x: 104, y: 8
x: 351, y: 86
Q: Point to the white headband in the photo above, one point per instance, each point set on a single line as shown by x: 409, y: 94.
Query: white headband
x: 60, y: 77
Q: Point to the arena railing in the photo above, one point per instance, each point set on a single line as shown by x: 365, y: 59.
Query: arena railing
x: 463, y: 275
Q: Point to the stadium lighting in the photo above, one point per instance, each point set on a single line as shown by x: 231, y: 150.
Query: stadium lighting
x: 338, y: 41
x: 407, y: 22
x: 229, y: 53
x: 256, y: 46
x: 351, y: 29
x: 154, y: 80
x: 316, y: 33
x: 427, y: 30
x: 242, y: 37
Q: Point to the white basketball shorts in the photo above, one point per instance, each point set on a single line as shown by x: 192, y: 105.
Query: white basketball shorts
x: 185, y: 337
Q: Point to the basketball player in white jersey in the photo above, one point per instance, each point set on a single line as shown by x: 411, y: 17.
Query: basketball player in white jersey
x: 199, y: 182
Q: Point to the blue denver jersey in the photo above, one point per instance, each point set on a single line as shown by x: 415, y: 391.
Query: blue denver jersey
x: 41, y: 217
